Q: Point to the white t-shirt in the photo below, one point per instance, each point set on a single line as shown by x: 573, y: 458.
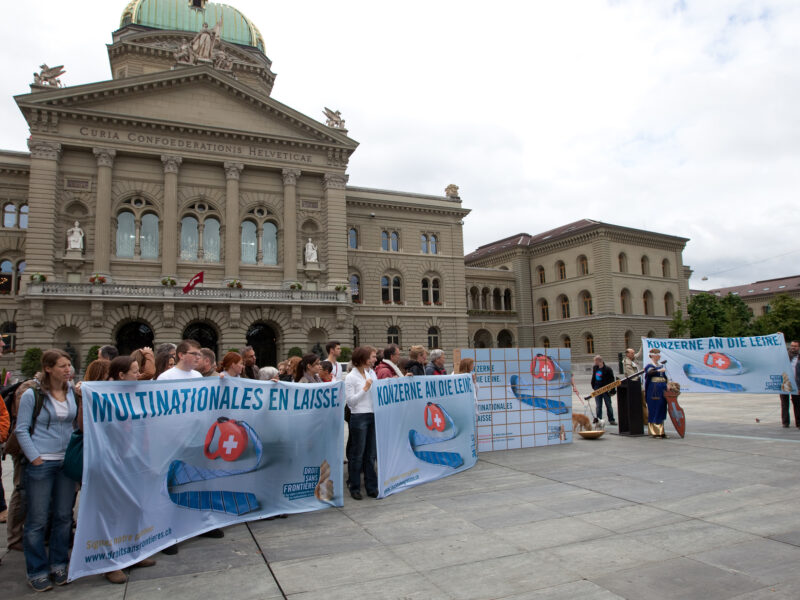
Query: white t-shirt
x: 177, y: 373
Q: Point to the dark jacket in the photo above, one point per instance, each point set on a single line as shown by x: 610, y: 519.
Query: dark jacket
x: 432, y: 369
x: 415, y: 368
x: 250, y: 372
x: 602, y: 376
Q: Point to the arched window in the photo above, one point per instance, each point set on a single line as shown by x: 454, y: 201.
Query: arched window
x: 544, y: 310
x: 507, y: 299
x: 628, y: 339
x: 395, y: 241
x: 6, y: 277
x: 190, y: 241
x: 433, y: 337
x: 540, y: 276
x: 505, y: 339
x: 352, y: 238
x: 561, y: 270
x: 385, y: 240
x: 424, y: 243
x: 665, y: 269
x: 436, y: 291
x: 566, y: 342
x: 269, y: 243
x: 393, y: 335
x: 211, y: 245
x: 623, y: 262
x: 23, y: 216
x: 148, y: 236
x: 563, y: 302
x: 474, y: 298
x: 647, y: 302
x: 497, y: 300
x: 589, y: 343
x: 645, y: 265
x: 625, y: 302
x: 356, y: 337
x: 20, y: 270
x: 669, y: 304
x: 386, y: 294
x: 355, y: 288
x: 434, y: 245
x: 10, y: 215
x: 485, y: 297
x: 9, y: 333
x: 586, y: 304
x: 249, y: 242
x: 126, y: 234
x: 546, y: 342
x: 397, y: 288
x: 583, y: 265
x: 426, y: 291
x: 651, y: 334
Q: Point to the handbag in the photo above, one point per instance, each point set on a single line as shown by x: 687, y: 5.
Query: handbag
x: 73, y: 457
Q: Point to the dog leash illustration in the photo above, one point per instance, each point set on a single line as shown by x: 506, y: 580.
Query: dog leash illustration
x: 436, y: 419
x: 716, y: 364
x: 554, y: 406
x: 233, y: 439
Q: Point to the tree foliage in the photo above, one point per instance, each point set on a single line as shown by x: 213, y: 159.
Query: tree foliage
x: 678, y: 326
x: 91, y: 356
x: 31, y: 362
x: 295, y: 351
x: 783, y: 316
x: 705, y: 315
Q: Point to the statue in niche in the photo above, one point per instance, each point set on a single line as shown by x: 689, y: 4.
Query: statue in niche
x: 75, y: 237
x: 311, y: 252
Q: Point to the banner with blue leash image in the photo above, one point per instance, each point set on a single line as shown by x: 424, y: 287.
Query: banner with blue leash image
x: 167, y: 460
x: 424, y: 428
x: 742, y: 365
x: 524, y: 396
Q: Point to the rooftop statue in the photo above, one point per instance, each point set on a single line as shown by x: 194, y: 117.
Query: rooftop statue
x: 49, y: 76
x: 334, y: 118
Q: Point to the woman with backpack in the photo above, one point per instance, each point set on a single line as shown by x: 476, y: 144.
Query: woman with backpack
x: 44, y: 426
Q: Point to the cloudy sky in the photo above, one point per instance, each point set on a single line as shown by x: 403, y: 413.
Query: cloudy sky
x: 677, y: 116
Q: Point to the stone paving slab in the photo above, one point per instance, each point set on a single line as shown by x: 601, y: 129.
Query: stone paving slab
x: 712, y: 516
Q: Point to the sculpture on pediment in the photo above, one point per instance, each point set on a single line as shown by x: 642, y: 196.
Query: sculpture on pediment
x: 451, y: 191
x: 205, y: 42
x: 222, y: 60
x: 311, y: 252
x: 75, y: 237
x: 49, y: 76
x: 334, y: 118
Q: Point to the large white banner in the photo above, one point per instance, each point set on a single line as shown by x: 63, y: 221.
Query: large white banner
x: 167, y: 460
x: 744, y: 365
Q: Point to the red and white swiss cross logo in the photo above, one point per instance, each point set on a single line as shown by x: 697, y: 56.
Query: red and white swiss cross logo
x: 434, y: 417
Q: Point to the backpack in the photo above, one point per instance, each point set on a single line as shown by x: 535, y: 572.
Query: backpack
x: 12, y: 444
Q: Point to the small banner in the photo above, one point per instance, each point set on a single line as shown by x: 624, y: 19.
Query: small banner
x: 425, y: 429
x: 524, y: 396
x: 167, y: 460
x: 743, y: 365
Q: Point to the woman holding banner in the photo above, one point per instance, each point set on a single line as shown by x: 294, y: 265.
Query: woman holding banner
x: 363, y: 451
x: 655, y: 385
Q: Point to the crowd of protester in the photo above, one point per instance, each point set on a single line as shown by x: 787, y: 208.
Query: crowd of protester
x: 45, y: 412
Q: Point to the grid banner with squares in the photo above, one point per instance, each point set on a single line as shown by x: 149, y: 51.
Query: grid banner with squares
x: 524, y: 396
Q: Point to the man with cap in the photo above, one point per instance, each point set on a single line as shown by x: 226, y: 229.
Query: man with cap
x: 655, y: 384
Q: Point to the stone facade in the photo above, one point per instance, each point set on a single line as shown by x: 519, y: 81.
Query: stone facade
x: 172, y: 169
x: 592, y: 286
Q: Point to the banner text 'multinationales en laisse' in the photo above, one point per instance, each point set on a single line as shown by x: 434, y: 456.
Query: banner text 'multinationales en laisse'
x: 142, y: 404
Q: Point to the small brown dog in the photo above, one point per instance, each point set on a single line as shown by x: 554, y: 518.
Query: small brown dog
x: 580, y: 423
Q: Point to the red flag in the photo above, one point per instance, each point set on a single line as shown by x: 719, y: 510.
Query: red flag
x: 193, y: 282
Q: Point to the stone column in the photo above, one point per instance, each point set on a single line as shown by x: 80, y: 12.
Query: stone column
x: 290, y: 224
x: 39, y: 248
x: 169, y: 247
x: 233, y: 248
x: 102, y: 224
x: 336, y: 215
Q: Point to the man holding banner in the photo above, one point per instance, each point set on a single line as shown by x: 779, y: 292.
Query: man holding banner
x: 794, y: 353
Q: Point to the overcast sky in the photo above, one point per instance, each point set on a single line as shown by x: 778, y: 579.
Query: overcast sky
x: 681, y: 117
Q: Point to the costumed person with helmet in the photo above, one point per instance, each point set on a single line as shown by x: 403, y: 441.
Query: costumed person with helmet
x: 655, y: 385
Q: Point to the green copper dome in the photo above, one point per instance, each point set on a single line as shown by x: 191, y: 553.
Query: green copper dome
x: 189, y: 15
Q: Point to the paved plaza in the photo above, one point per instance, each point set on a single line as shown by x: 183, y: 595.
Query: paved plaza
x: 712, y: 516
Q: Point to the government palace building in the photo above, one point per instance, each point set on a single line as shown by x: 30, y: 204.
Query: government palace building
x: 183, y: 163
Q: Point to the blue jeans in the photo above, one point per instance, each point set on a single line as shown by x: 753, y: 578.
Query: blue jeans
x: 363, y: 452
x: 599, y: 400
x: 47, y: 489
